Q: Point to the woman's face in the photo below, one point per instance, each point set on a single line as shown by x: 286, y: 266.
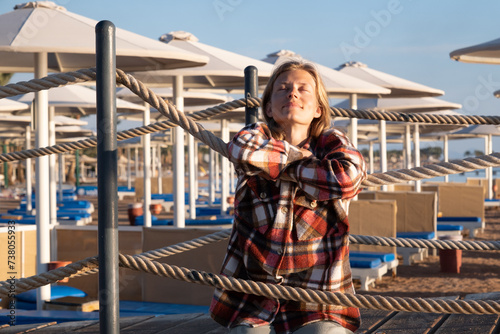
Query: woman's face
x: 293, y: 99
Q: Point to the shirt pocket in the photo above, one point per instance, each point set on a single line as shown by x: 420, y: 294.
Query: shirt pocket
x: 259, y: 206
x: 311, y: 218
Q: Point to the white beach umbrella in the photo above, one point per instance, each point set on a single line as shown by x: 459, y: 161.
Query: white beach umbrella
x: 337, y: 84
x: 67, y: 100
x: 41, y: 37
x: 400, y: 88
x: 225, y: 70
x: 484, y: 53
x: 75, y: 100
x: 408, y: 105
x: 194, y: 98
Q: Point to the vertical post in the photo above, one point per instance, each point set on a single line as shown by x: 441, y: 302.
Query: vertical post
x: 416, y: 147
x: 383, y: 149
x: 179, y: 166
x: 353, y: 125
x: 146, y: 170
x: 107, y: 180
x: 445, y: 155
x: 251, y: 114
x: 129, y: 172
x: 224, y: 128
x: 29, y: 173
x: 42, y: 179
x: 160, y: 177
x: 77, y: 168
x: 61, y: 172
x: 5, y: 169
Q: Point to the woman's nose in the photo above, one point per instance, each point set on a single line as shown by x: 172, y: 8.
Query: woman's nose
x: 292, y: 92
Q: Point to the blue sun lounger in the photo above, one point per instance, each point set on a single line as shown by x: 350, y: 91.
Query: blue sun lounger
x: 471, y: 223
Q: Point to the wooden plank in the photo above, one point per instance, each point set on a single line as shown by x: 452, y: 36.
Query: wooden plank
x: 159, y: 323
x: 83, y: 304
x: 203, y: 324
x: 373, y: 319
x: 28, y: 328
x: 67, y: 327
x: 463, y: 323
x: 413, y: 322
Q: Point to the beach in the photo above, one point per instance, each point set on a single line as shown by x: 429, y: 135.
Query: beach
x: 479, y: 272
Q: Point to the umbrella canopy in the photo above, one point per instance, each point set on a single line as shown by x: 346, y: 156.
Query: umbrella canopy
x: 191, y: 98
x: 36, y: 27
x: 399, y: 87
x: 9, y: 106
x: 484, y: 53
x: 225, y: 69
x: 408, y: 105
x: 75, y: 100
x: 336, y: 83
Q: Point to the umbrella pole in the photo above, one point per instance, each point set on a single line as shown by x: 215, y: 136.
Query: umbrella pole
x: 107, y: 180
x: 42, y: 179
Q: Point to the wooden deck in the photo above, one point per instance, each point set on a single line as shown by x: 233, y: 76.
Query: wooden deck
x: 374, y: 321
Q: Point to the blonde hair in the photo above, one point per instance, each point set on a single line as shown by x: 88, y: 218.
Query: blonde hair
x: 318, y: 125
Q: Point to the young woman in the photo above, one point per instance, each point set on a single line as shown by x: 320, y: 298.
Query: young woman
x: 297, y: 176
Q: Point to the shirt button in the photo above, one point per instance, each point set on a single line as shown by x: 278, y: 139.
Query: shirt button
x: 284, y: 209
x: 263, y: 195
x: 314, y: 204
x: 280, y: 251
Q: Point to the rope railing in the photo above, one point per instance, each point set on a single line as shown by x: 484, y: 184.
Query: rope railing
x: 178, y: 118
x: 138, y: 263
x: 143, y: 261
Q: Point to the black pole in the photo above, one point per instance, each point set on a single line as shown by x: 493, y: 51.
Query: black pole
x: 107, y: 181
x: 251, y: 114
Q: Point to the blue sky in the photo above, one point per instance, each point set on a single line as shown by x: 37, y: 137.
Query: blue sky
x: 409, y: 39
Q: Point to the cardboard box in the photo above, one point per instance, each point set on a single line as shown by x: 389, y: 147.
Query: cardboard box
x: 206, y: 258
x: 417, y: 211
x: 478, y: 181
x: 374, y: 218
x: 461, y: 200
x: 167, y: 186
x: 23, y: 248
x: 75, y: 243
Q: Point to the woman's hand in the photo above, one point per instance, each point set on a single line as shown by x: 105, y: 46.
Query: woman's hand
x: 305, y: 153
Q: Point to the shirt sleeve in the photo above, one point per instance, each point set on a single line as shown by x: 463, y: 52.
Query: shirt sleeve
x: 254, y: 151
x: 335, y: 171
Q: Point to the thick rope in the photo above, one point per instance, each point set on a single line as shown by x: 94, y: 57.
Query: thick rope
x: 175, y: 249
x: 189, y: 124
x: 268, y: 290
x: 275, y: 291
x: 424, y: 243
x: 61, y: 79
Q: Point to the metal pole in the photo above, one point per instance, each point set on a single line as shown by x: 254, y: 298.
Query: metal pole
x: 77, y: 168
x: 5, y: 169
x: 107, y: 180
x: 251, y: 114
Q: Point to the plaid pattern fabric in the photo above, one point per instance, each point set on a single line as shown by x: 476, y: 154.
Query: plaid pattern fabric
x: 290, y: 227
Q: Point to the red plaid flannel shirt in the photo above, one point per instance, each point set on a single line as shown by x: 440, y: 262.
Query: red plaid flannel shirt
x: 290, y: 227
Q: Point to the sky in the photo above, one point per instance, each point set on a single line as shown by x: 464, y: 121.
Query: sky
x: 405, y: 38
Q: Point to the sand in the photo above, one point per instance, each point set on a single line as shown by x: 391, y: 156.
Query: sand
x: 480, y: 272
